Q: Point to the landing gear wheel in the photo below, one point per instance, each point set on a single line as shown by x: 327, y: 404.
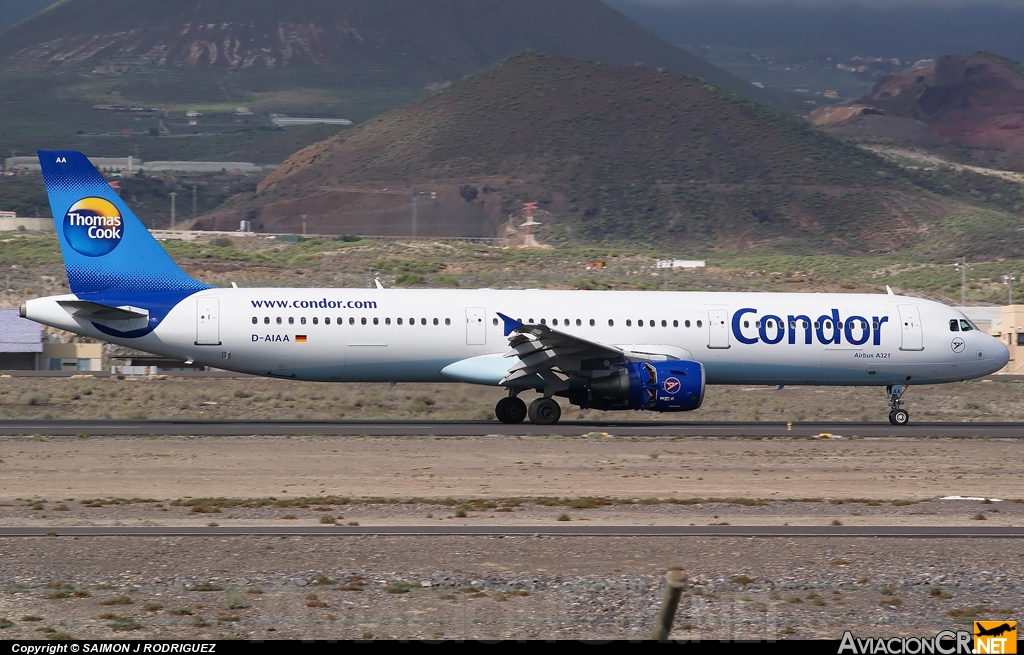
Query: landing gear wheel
x: 545, y: 411
x: 899, y: 417
x: 510, y: 410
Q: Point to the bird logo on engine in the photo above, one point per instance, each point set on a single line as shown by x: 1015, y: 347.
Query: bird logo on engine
x: 672, y: 385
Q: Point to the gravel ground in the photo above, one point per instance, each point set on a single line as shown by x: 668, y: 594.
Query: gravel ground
x: 267, y: 399
x: 513, y: 587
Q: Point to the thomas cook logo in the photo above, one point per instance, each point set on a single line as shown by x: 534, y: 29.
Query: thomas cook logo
x: 957, y: 345
x: 672, y: 386
x: 995, y: 636
x: 93, y: 226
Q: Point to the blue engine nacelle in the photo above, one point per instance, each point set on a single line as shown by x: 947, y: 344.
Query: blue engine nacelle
x: 671, y: 386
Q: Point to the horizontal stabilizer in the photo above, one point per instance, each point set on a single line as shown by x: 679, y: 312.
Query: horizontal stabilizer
x: 93, y: 311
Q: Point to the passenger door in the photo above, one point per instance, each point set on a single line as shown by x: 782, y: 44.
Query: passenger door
x: 476, y: 328
x: 207, y: 322
x: 911, y: 331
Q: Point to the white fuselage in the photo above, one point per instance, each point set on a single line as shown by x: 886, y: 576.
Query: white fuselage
x: 399, y: 335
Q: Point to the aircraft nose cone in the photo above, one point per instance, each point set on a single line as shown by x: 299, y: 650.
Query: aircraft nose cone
x: 1002, y: 355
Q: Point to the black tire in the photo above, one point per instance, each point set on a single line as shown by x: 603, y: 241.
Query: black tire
x: 510, y: 410
x: 900, y: 417
x: 545, y: 411
x: 892, y: 417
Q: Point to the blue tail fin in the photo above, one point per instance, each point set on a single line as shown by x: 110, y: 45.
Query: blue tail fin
x: 105, y: 247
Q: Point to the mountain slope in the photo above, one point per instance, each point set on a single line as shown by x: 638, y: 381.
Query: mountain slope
x: 612, y: 153
x: 413, y: 41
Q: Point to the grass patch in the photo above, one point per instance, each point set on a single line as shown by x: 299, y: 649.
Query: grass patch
x: 117, y: 600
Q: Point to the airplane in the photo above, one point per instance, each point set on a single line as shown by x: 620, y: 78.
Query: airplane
x: 608, y: 350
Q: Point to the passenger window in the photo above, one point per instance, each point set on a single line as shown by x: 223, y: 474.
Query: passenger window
x: 363, y: 320
x: 611, y: 323
x: 700, y: 323
x: 554, y: 321
x: 675, y: 323
x: 376, y: 321
x: 874, y: 325
x: 493, y: 321
x: 640, y: 323
x: 664, y: 324
x: 629, y: 323
x: 399, y: 321
x: 327, y: 321
x: 291, y: 320
x: 543, y: 321
x: 686, y: 324
x: 412, y: 321
x: 266, y: 320
x: 423, y: 321
x: 965, y: 326
x: 757, y: 324
x: 255, y: 320
x: 578, y: 322
x: 302, y: 320
x: 278, y: 320
x: 805, y: 324
x: 746, y: 324
x: 351, y: 320
x: 435, y: 321
x: 387, y: 321
x: 447, y: 321
x: 817, y: 325
x: 317, y: 320
x: 591, y: 322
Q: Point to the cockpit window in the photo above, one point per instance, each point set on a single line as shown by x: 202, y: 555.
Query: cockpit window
x: 965, y: 325
x: 954, y: 325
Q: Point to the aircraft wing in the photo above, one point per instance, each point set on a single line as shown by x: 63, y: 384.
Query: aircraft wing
x: 543, y: 350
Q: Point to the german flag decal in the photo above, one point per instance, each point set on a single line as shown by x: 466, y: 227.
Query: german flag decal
x: 300, y: 338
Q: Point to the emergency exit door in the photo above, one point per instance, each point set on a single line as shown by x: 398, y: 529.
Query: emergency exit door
x: 718, y: 326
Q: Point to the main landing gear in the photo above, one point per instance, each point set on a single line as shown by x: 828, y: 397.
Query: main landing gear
x: 542, y: 411
x: 897, y: 415
x: 510, y: 410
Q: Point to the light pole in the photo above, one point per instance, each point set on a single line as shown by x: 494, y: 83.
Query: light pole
x: 174, y: 195
x: 1008, y: 280
x: 963, y: 267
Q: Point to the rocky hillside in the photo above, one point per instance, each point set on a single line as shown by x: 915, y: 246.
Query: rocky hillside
x: 973, y: 102
x: 614, y: 154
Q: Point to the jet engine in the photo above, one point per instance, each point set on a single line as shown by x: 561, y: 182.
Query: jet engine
x: 669, y: 386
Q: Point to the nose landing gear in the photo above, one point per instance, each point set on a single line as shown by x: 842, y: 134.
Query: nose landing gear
x: 897, y: 415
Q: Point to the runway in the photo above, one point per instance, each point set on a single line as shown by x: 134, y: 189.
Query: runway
x: 899, y: 532
x: 57, y: 428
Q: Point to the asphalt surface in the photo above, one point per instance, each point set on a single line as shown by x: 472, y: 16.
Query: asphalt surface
x: 55, y: 428
x: 912, y: 532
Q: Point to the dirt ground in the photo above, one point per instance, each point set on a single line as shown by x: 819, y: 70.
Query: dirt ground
x: 378, y: 473
x: 259, y: 398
